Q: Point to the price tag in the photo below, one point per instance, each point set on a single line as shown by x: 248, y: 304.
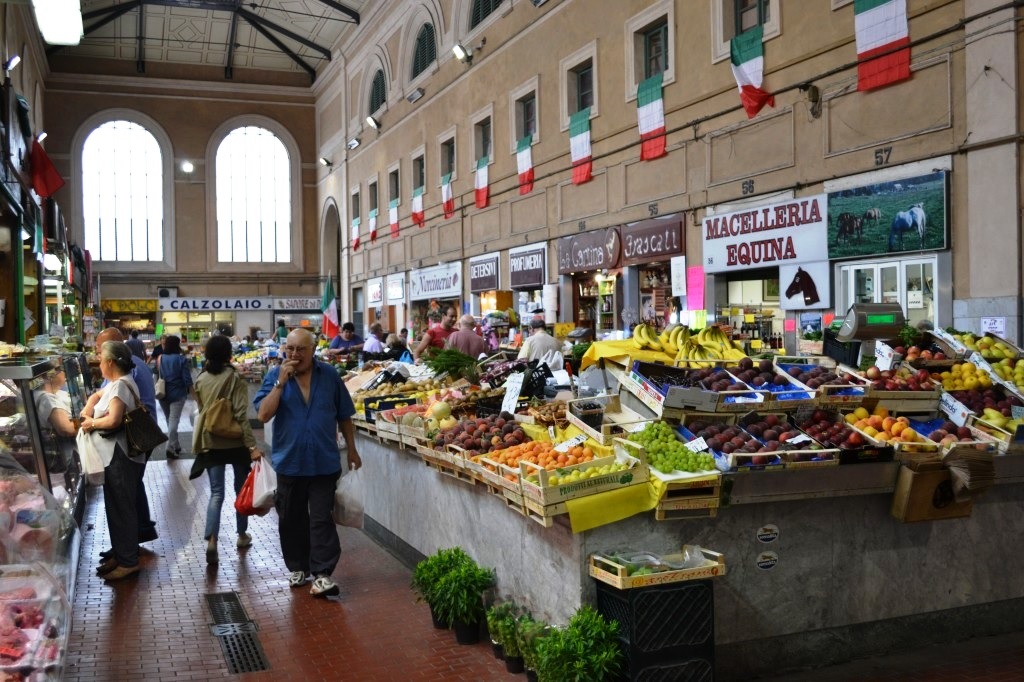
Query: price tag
x: 697, y: 445
x: 635, y: 428
x: 802, y: 438
x: 1016, y: 411
x: 513, y: 386
x: 953, y: 408
x: 977, y: 360
x: 883, y: 356
x: 551, y: 433
x: 571, y: 443
x: 755, y: 344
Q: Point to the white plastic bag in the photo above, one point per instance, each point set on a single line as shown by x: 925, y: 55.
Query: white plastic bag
x: 348, y: 500
x: 190, y: 411
x: 92, y: 463
x: 265, y: 485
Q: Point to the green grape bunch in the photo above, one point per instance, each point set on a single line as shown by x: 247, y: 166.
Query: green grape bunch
x: 667, y: 454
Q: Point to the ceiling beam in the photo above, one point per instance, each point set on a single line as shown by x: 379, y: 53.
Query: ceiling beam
x: 228, y: 68
x: 256, y: 19
x: 354, y: 15
x: 140, y: 42
x: 284, y: 48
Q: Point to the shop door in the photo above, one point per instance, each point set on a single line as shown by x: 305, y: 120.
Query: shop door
x: 919, y: 302
x: 907, y: 282
x: 386, y: 317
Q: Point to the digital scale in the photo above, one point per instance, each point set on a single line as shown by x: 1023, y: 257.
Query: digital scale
x: 865, y: 321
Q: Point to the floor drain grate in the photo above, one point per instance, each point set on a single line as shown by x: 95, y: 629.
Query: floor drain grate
x: 226, y: 608
x: 232, y: 628
x: 243, y: 653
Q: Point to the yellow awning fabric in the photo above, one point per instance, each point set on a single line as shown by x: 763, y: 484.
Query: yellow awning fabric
x: 621, y: 352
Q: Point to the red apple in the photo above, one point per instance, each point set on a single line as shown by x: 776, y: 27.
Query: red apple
x: 872, y: 373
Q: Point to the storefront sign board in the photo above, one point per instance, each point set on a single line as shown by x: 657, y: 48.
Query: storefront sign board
x: 375, y: 290
x: 649, y: 241
x: 527, y: 266
x: 440, y: 281
x: 396, y: 288
x: 216, y: 304
x: 298, y: 303
x: 788, y: 233
x: 129, y: 305
x: 589, y: 251
x: 805, y: 287
x: 678, y: 270
x: 483, y: 273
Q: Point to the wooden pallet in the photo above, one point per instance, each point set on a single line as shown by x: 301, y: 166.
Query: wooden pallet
x: 683, y: 514
x: 697, y: 493
x: 448, y: 469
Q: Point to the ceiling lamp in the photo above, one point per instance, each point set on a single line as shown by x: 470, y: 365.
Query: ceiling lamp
x: 60, y: 21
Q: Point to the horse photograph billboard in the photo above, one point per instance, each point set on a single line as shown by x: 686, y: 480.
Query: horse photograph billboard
x: 909, y: 214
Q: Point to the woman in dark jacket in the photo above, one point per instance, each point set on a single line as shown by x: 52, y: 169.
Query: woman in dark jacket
x: 213, y: 453
x: 176, y: 371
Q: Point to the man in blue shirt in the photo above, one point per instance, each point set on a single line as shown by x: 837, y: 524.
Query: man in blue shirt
x: 309, y: 404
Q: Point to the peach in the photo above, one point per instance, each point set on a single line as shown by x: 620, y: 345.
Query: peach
x: 897, y: 428
x: 871, y: 431
x: 875, y: 421
x: 883, y: 436
x: 881, y: 412
x: 887, y: 423
x: 860, y: 424
x: 903, y: 420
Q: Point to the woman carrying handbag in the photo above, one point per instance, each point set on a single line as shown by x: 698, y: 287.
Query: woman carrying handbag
x: 175, y: 370
x: 216, y: 444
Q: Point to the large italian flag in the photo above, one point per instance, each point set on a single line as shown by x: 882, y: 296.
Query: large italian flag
x: 524, y: 161
x: 393, y: 217
x: 650, y: 114
x: 447, y: 196
x: 579, y: 146
x: 883, y: 42
x: 417, y: 207
x: 481, y: 184
x: 747, y: 53
x: 329, y: 306
x: 372, y: 220
x: 355, y: 234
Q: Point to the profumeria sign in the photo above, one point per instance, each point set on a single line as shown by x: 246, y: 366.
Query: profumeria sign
x: 789, y: 233
x: 441, y: 281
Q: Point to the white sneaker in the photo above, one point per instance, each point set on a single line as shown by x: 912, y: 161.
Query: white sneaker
x: 244, y: 540
x: 297, y: 578
x: 323, y: 586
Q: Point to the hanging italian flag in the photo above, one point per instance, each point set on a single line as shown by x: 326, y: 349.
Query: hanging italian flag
x: 355, y: 234
x: 524, y: 160
x: 747, y: 52
x: 650, y: 114
x: 447, y: 197
x: 579, y: 146
x: 417, y: 207
x: 483, y: 189
x: 372, y: 219
x: 329, y: 305
x: 883, y: 42
x: 393, y: 217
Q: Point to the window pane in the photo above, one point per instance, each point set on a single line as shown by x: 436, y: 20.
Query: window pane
x: 655, y: 51
x: 584, y: 87
x: 377, y: 92
x: 425, y: 52
x: 481, y: 10
x: 253, y: 198
x: 122, y: 193
x: 528, y: 113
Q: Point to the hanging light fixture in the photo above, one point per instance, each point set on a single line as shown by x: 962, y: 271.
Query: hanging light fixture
x: 60, y: 21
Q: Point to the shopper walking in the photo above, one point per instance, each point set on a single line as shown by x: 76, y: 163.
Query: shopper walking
x: 214, y: 453
x: 176, y: 371
x: 309, y: 404
x: 105, y: 411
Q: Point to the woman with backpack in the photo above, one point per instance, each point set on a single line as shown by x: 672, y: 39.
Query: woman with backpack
x: 176, y: 371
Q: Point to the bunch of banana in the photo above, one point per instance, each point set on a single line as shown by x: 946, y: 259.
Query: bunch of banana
x: 671, y: 339
x: 709, y: 346
x: 644, y: 337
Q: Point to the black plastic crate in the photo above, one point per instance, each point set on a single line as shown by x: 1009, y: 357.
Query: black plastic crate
x: 491, y: 406
x: 677, y: 619
x: 843, y: 352
x: 689, y: 670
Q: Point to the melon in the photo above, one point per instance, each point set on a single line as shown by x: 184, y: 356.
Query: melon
x: 440, y: 410
x: 408, y: 418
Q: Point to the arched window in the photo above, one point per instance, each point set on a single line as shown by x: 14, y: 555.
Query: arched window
x: 481, y: 10
x: 254, y: 211
x: 122, y: 193
x: 377, y: 93
x: 426, y: 50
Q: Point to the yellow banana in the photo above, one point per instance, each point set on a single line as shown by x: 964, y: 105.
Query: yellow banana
x: 638, y: 339
x: 669, y: 348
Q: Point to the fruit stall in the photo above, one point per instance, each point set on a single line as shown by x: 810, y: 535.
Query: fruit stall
x: 838, y: 499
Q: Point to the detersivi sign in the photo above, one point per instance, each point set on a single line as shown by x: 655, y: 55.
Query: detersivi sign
x: 441, y: 281
x: 227, y: 304
x: 795, y: 231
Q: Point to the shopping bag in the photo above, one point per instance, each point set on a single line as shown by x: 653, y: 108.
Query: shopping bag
x: 92, y: 464
x: 243, y: 501
x: 160, y: 389
x: 219, y: 417
x: 348, y: 500
x: 265, y: 485
x: 190, y: 411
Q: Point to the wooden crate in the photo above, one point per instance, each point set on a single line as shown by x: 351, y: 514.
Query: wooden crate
x: 494, y: 473
x: 448, y: 469
x: 616, y: 418
x: 615, y: 573
x: 684, y: 514
x: 545, y: 515
x: 703, y: 492
x: 546, y: 494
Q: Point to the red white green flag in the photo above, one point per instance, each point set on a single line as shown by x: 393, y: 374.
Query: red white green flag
x: 329, y: 306
x: 524, y: 161
x: 372, y: 220
x: 883, y: 42
x: 447, y: 197
x: 393, y: 217
x: 355, y: 234
x: 747, y: 53
x: 481, y: 184
x: 417, y: 207
x: 579, y: 146
x: 650, y: 114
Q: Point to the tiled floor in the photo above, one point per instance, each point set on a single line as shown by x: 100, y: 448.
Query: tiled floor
x: 156, y: 626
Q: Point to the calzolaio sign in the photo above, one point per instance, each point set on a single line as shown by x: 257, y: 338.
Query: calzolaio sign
x: 227, y: 304
x: 440, y: 281
x: 792, y: 232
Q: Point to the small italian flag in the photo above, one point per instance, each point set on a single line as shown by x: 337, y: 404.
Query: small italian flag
x: 747, y: 52
x: 524, y: 160
x: 883, y: 42
x: 417, y: 207
x: 355, y: 234
x: 393, y: 217
x: 372, y: 220
x: 650, y: 114
x: 579, y: 146
x: 447, y: 197
x: 483, y: 189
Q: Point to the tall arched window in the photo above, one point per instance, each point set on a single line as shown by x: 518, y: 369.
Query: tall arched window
x: 122, y: 193
x: 481, y: 10
x: 426, y: 50
x: 377, y: 92
x: 254, y: 212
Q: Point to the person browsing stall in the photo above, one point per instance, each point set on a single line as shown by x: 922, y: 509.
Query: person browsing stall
x: 435, y: 338
x: 466, y: 340
x: 347, y: 341
x: 309, y: 404
x: 374, y: 343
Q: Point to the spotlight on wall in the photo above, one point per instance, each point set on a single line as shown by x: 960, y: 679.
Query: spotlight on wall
x: 187, y: 167
x: 12, y: 62
x: 373, y: 123
x: 415, y: 95
x: 324, y: 161
x: 41, y: 136
x: 352, y: 143
x: 465, y: 54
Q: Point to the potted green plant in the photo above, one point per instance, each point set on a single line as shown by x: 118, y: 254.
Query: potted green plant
x: 495, y: 614
x: 459, y: 600
x: 585, y: 650
x: 428, y: 574
x: 530, y: 633
x: 511, y: 638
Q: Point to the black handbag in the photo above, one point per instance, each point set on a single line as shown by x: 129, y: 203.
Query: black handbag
x: 141, y: 430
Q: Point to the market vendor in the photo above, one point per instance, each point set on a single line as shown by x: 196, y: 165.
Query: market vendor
x: 540, y: 342
x: 347, y: 341
x: 437, y: 336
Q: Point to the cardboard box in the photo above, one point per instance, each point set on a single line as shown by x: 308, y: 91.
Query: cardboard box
x: 926, y: 496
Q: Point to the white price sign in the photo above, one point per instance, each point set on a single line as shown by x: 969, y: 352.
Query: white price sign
x: 635, y: 428
x: 1016, y: 411
x: 953, y: 408
x: 993, y: 325
x: 571, y: 443
x: 513, y: 386
x: 883, y: 356
x: 796, y: 440
x: 697, y: 445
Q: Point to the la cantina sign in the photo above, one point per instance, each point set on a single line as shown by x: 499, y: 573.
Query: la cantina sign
x: 792, y: 232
